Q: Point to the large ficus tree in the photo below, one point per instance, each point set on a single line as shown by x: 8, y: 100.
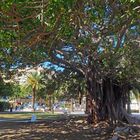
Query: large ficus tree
x: 97, y: 39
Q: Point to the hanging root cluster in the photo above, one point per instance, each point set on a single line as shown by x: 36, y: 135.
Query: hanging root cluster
x: 108, y: 100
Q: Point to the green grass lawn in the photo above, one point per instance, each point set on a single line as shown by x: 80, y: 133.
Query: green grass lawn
x: 27, y: 115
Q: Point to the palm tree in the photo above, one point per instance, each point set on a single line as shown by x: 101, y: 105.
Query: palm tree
x: 34, y: 81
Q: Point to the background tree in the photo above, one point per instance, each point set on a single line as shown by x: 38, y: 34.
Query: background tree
x: 34, y: 82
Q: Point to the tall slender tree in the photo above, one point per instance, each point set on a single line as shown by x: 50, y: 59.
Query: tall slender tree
x: 34, y: 81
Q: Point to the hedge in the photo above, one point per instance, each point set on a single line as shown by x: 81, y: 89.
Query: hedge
x: 4, y: 106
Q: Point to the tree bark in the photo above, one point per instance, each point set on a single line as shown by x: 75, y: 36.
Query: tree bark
x: 93, y: 102
x: 50, y: 102
x: 52, y: 106
x: 72, y: 108
x: 106, y: 100
x: 128, y: 105
x: 33, y: 98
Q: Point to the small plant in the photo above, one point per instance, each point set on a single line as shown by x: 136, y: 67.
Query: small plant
x: 4, y: 106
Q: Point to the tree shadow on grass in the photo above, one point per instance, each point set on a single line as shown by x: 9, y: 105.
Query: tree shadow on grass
x: 67, y: 129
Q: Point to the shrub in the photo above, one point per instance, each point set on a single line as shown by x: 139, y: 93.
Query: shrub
x: 4, y: 106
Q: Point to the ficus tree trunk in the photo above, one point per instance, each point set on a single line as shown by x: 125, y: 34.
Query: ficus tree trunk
x: 128, y: 105
x: 107, y: 99
x: 93, y: 108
